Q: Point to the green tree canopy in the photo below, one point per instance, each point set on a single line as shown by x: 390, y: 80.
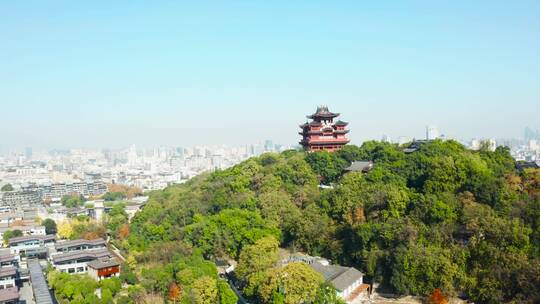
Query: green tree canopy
x: 7, y: 187
x: 50, y: 226
x: 293, y: 283
x: 227, y: 232
x: 11, y: 234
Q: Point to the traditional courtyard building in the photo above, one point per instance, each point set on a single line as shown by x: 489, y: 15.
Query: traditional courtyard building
x: 102, y: 269
x: 322, y: 133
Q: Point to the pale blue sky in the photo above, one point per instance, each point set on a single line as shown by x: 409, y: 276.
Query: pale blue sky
x: 111, y: 73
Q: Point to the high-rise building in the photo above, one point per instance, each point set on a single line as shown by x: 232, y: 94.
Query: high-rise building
x: 475, y: 144
x: 432, y: 132
x: 180, y: 151
x: 403, y: 140
x: 268, y: 145
x: 534, y: 145
x: 28, y: 153
x: 322, y: 133
x: 491, y: 144
x: 530, y: 134
x: 132, y: 155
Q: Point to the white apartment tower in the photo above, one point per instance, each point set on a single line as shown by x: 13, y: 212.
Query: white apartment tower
x: 432, y: 132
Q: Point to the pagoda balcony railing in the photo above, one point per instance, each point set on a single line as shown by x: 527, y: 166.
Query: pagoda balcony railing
x: 327, y: 141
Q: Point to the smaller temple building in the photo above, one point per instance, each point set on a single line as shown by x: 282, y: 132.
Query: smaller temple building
x: 102, y: 269
x: 322, y: 133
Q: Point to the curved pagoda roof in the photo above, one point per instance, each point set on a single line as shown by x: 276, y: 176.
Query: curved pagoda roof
x: 312, y: 123
x: 323, y: 112
x: 341, y: 123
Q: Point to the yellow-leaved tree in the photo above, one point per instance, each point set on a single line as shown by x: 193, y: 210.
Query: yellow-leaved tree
x: 65, y: 229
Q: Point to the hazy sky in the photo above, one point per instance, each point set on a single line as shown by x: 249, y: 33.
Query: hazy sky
x: 111, y: 73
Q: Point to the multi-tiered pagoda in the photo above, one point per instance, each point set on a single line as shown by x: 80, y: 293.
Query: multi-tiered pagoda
x: 322, y: 133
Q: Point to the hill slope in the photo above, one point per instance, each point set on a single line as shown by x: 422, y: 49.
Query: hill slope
x: 442, y: 217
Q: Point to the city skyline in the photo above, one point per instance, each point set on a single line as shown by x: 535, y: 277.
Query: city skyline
x: 526, y: 135
x: 112, y: 74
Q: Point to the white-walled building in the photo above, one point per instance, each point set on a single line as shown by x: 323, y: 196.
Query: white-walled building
x: 432, y: 133
x: 80, y: 244
x: 77, y: 261
x: 8, y: 275
x: 21, y: 245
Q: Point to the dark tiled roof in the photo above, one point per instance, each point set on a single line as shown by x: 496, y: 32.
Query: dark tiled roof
x: 8, y: 271
x: 75, y: 243
x: 79, y: 254
x: 323, y: 112
x: 312, y: 123
x: 341, y: 123
x: 409, y: 150
x: 328, y: 272
x: 347, y: 278
x: 7, y: 258
x: 20, y: 239
x: 522, y: 165
x: 98, y: 264
x: 9, y: 294
x: 339, y: 276
x: 39, y: 285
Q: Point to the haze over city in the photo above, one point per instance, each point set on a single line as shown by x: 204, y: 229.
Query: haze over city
x: 93, y: 75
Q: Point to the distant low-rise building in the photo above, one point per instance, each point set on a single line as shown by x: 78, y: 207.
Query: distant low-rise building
x: 21, y: 198
x: 8, y: 218
x: 54, y: 192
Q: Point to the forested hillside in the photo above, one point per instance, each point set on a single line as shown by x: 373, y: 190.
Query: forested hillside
x: 441, y: 217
